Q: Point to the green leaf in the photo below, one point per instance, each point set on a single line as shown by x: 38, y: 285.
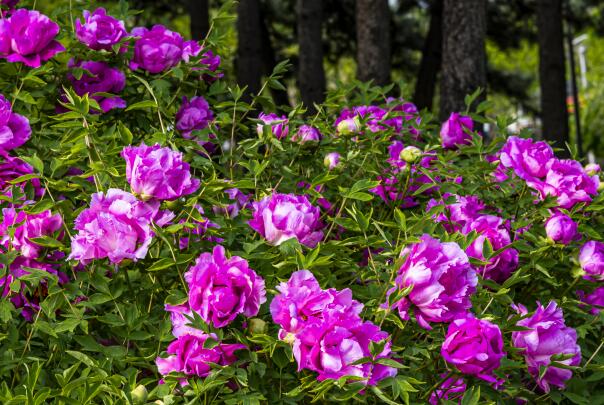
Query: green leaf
x: 142, y: 104
x: 82, y: 357
x: 471, y: 397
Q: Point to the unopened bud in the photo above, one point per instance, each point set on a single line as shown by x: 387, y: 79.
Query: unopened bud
x: 411, y: 154
x: 349, y: 126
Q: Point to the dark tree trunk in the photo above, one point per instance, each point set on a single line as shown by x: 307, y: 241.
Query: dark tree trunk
x: 249, y: 50
x: 269, y: 60
x: 464, y: 56
x: 311, y: 76
x: 552, y: 77
x: 199, y: 12
x: 373, y: 41
x: 431, y: 59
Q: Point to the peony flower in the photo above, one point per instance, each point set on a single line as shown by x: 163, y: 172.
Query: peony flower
x: 474, y: 346
x: 12, y: 168
x: 156, y: 172
x: 14, y: 128
x: 411, y: 154
x: 332, y: 346
x: 279, y: 217
x: 595, y: 300
x: 99, y: 77
x: 221, y: 288
x: 561, y: 228
x: 99, y: 30
x: 157, y: 49
x: 442, y: 281
x: 278, y: 125
x: 349, y: 121
x: 591, y: 258
x: 210, y: 63
x: 302, y: 301
x: 201, y: 227
x: 592, y: 169
x: 456, y: 215
x: 189, y: 356
x: 394, y: 152
x: 528, y: 159
x: 180, y: 322
x: 306, y: 133
x: 193, y: 115
x: 240, y: 201
x: 332, y: 160
x: 116, y: 226
x: 451, y: 389
x: 454, y: 131
x: 548, y: 336
x: 31, y: 37
x: 26, y: 227
x: 493, y: 229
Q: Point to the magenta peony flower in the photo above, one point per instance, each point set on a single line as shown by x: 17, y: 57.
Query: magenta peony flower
x: 156, y: 172
x: 591, y: 258
x: 493, y: 229
x: 561, y: 229
x: 332, y: 160
x: 528, y: 159
x: 595, y: 300
x: 474, y: 346
x: 567, y: 180
x: 193, y: 115
x: 14, y: 128
x: 456, y: 215
x: 99, y: 30
x: 180, y: 322
x: 302, y: 301
x: 189, y: 356
x: 220, y: 288
x: 279, y: 217
x: 12, y: 168
x: 454, y: 131
x: 548, y: 337
x: 99, y: 77
x: 26, y: 227
x: 452, y: 389
x: 210, y: 63
x: 31, y: 37
x: 306, y: 133
x: 442, y: 281
x: 157, y: 49
x: 116, y: 226
x: 200, y: 230
x: 279, y: 125
x: 349, y: 121
x: 332, y: 346
x: 240, y: 201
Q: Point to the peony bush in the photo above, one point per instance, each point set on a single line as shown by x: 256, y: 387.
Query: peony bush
x: 165, y: 240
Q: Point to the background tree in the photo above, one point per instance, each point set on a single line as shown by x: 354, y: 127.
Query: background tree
x: 373, y: 41
x: 552, y: 78
x: 311, y: 75
x: 464, y: 57
x: 431, y: 59
x: 199, y: 12
x: 250, y: 64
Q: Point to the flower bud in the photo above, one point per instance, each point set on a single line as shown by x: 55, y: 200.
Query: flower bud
x: 139, y: 395
x: 257, y: 326
x: 560, y: 228
x: 349, y: 126
x: 332, y: 160
x: 592, y: 169
x: 411, y: 154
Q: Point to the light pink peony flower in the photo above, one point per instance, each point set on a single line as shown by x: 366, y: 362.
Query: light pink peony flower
x: 591, y: 258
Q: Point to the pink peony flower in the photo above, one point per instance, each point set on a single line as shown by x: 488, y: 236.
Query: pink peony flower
x: 442, y: 281
x: 306, y: 133
x: 456, y: 215
x: 221, y: 288
x: 116, y: 226
x: 278, y: 125
x: 474, y: 346
x: 528, y: 159
x: 156, y: 172
x: 561, y: 228
x: 452, y: 389
x: 99, y: 77
x: 12, y: 168
x: 332, y: 160
x: 591, y: 258
x: 14, y: 128
x: 279, y: 217
x: 157, y: 49
x: 454, y: 131
x: 99, y: 30
x: 193, y: 115
x: 548, y: 336
x: 26, y: 227
x: 595, y: 300
x: 240, y: 201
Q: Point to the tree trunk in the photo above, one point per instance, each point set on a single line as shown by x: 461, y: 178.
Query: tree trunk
x: 249, y: 49
x: 373, y: 41
x: 311, y: 76
x: 269, y: 60
x: 464, y: 56
x: 552, y: 79
x: 199, y: 12
x: 431, y: 59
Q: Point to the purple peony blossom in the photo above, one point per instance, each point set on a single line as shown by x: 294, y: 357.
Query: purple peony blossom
x: 240, y: 201
x: 454, y: 131
x: 220, y: 288
x: 591, y: 258
x: 279, y: 217
x: 567, y: 180
x: 116, y: 226
x: 180, y: 322
x: 193, y: 115
x: 14, y: 128
x: 302, y: 301
x: 451, y: 389
x: 12, y: 168
x: 157, y: 49
x: 156, y: 172
x: 456, y: 215
x: 442, y: 281
x: 332, y: 160
x: 209, y: 63
x: 189, y: 355
x: 349, y: 121
x: 99, y: 77
x: 306, y: 133
x: 528, y: 159
x: 332, y: 346
x: 561, y: 228
x: 99, y: 30
x: 474, y: 346
x: 31, y: 38
x: 493, y: 229
x: 278, y: 125
x: 200, y: 230
x: 548, y: 336
x: 26, y: 227
x: 595, y: 300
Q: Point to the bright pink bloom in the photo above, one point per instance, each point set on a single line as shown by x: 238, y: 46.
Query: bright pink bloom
x: 278, y: 125
x: 27, y: 227
x: 528, y: 159
x: 157, y: 49
x: 306, y: 133
x: 452, y: 389
x: 193, y: 115
x: 454, y: 131
x: 456, y: 215
x: 595, y: 300
x: 14, y: 128
x: 561, y: 229
x: 99, y: 77
x: 591, y: 258
x: 12, y: 168
x: 567, y: 180
x: 99, y: 30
